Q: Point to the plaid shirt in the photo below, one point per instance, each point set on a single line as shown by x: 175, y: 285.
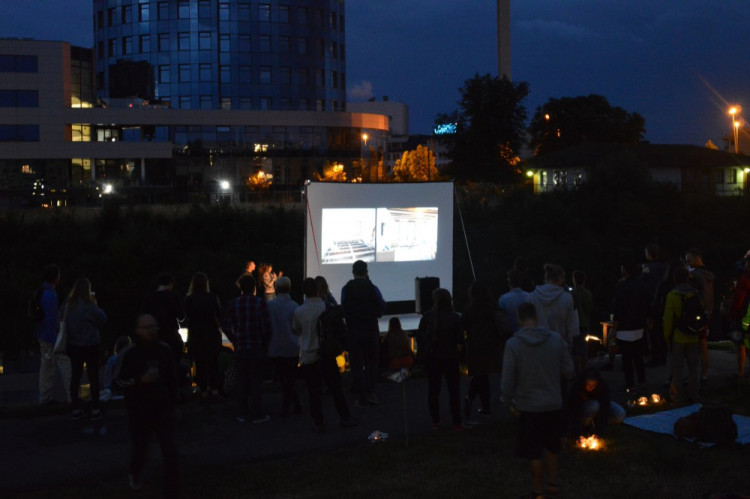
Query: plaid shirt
x: 247, y: 323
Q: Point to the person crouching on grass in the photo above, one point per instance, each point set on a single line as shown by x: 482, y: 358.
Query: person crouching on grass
x: 535, y: 362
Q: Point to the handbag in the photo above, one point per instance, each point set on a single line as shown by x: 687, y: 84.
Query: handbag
x: 61, y: 343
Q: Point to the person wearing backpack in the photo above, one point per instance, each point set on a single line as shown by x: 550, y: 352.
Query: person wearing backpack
x: 46, y: 331
x: 683, y: 346
x: 703, y: 280
x: 738, y: 310
x: 316, y: 368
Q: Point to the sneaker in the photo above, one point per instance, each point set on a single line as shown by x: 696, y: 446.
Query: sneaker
x: 96, y: 415
x: 262, y: 419
x: 348, y: 423
x: 133, y: 483
x: 78, y: 414
x: 242, y: 419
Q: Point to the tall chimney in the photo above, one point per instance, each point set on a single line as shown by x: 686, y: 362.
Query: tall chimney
x: 503, y: 38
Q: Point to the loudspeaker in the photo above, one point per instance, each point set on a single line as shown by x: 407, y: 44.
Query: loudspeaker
x: 423, y: 288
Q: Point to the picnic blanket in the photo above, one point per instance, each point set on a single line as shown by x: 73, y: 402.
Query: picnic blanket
x: 663, y: 422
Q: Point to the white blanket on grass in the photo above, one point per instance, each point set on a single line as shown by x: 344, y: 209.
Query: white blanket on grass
x: 663, y: 422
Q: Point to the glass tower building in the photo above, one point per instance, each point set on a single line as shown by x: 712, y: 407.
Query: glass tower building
x: 222, y: 54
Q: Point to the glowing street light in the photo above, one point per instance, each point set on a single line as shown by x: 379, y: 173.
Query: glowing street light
x: 733, y: 112
x: 224, y: 185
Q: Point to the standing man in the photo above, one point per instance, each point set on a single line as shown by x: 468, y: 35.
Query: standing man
x: 554, y: 305
x: 283, y: 348
x: 165, y: 304
x: 703, y: 279
x: 248, y: 326
x: 148, y: 380
x: 630, y: 306
x: 46, y: 333
x: 510, y: 301
x: 318, y: 368
x: 363, y: 305
x: 652, y: 273
x: 535, y: 364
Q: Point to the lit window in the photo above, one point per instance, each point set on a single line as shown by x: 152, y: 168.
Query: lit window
x: 226, y: 103
x: 732, y: 177
x: 264, y: 12
x: 143, y: 12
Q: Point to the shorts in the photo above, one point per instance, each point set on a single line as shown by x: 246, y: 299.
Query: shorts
x: 538, y: 431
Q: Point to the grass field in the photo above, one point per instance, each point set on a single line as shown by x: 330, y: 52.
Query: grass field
x: 477, y: 462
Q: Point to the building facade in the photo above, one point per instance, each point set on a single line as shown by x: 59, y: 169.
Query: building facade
x: 226, y: 54
x: 177, y: 119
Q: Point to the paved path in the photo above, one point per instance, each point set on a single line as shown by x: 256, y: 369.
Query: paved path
x: 51, y: 449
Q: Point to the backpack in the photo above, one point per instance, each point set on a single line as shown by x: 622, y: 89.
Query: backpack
x: 692, y: 320
x: 332, y: 331
x: 34, y: 307
x: 716, y: 425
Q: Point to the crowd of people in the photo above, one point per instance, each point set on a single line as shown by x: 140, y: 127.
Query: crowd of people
x: 533, y: 335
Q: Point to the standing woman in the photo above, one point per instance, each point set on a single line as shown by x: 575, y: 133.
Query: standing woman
x: 84, y: 320
x: 203, y: 313
x: 487, y: 329
x: 268, y: 280
x: 439, y: 341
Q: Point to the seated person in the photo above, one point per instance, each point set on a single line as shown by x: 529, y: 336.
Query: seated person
x: 110, y: 391
x: 590, y: 407
x: 397, y: 347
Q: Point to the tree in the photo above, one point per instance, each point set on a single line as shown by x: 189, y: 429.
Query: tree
x: 416, y: 166
x: 332, y: 172
x: 569, y: 121
x: 489, y: 128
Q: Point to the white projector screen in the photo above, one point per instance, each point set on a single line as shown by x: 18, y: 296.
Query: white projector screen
x: 402, y: 231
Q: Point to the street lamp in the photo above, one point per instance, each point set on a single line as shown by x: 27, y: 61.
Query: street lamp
x: 733, y: 111
x: 364, y: 141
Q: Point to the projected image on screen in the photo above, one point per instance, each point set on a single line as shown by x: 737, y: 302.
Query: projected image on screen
x: 406, y: 234
x: 379, y: 234
x: 348, y: 235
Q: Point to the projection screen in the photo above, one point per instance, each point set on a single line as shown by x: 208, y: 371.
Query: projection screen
x: 402, y: 231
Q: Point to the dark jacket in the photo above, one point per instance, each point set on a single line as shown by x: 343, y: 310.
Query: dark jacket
x: 578, y: 395
x: 203, y: 314
x: 486, y: 334
x: 363, y: 305
x: 166, y: 306
x: 441, y: 338
x: 159, y: 397
x: 631, y: 304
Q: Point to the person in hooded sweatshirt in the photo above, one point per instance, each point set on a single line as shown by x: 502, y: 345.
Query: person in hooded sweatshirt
x: 554, y: 305
x: 535, y: 364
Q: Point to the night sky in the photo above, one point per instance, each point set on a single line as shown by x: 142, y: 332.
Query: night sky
x: 679, y: 63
